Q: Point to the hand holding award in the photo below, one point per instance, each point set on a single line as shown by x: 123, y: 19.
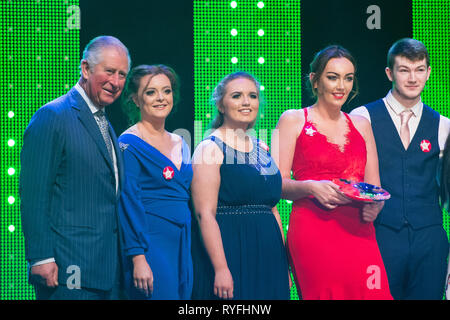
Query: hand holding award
x: 361, y: 191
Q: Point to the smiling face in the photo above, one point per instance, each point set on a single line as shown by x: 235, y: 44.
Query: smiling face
x: 240, y: 103
x: 104, y: 82
x: 408, y: 79
x: 335, y: 82
x: 154, y: 97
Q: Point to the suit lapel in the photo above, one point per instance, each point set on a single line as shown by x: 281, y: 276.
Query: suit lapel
x: 87, y: 119
x: 421, y: 131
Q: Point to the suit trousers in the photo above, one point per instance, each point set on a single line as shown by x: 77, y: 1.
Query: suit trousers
x: 415, y: 261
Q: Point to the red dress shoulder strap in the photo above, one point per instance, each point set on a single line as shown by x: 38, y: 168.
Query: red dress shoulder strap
x: 352, y: 126
x: 305, y: 111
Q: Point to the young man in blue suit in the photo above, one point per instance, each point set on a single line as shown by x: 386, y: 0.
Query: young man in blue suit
x: 70, y: 183
x: 410, y: 137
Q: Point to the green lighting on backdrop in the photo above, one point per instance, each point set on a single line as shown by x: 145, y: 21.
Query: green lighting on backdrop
x: 266, y: 43
x: 431, y: 25
x: 40, y: 55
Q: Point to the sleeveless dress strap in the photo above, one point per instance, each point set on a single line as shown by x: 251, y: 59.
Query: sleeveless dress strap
x: 351, y: 125
x: 218, y: 142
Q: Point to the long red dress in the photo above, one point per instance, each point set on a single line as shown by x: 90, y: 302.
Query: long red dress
x: 333, y: 253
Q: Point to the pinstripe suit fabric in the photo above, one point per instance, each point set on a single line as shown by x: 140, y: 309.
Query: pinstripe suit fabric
x: 68, y: 195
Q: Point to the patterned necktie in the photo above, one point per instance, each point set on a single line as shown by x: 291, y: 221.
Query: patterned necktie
x: 404, y: 128
x: 103, y: 125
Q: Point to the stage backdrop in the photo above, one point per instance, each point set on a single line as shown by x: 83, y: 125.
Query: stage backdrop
x: 41, y: 43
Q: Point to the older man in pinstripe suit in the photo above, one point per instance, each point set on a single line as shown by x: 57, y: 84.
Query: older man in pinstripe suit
x: 70, y: 183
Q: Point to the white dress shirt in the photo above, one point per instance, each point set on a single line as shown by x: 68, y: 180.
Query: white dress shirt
x: 93, y: 109
x: 395, y: 108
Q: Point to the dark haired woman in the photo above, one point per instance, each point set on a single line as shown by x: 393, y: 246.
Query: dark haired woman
x: 235, y: 189
x: 331, y: 239
x: 154, y: 212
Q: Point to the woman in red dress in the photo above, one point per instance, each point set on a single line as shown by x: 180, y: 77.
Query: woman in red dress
x: 331, y: 239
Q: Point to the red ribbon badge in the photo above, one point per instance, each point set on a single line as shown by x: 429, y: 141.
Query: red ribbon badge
x: 168, y: 173
x: 425, y: 145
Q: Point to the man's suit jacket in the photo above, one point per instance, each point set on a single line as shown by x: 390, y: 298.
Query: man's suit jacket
x: 69, y: 203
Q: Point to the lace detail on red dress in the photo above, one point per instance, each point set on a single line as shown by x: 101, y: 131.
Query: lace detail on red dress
x: 317, y: 158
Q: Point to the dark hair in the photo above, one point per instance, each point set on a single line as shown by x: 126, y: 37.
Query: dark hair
x: 317, y: 66
x: 220, y: 90
x: 445, y: 176
x: 134, y: 81
x: 411, y: 49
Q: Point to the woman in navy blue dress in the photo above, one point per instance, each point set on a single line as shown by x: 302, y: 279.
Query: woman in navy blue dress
x: 154, y: 212
x: 236, y: 186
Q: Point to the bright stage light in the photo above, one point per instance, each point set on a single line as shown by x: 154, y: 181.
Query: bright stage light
x: 11, y: 199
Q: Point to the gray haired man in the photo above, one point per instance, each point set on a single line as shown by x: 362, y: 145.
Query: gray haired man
x: 70, y: 183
